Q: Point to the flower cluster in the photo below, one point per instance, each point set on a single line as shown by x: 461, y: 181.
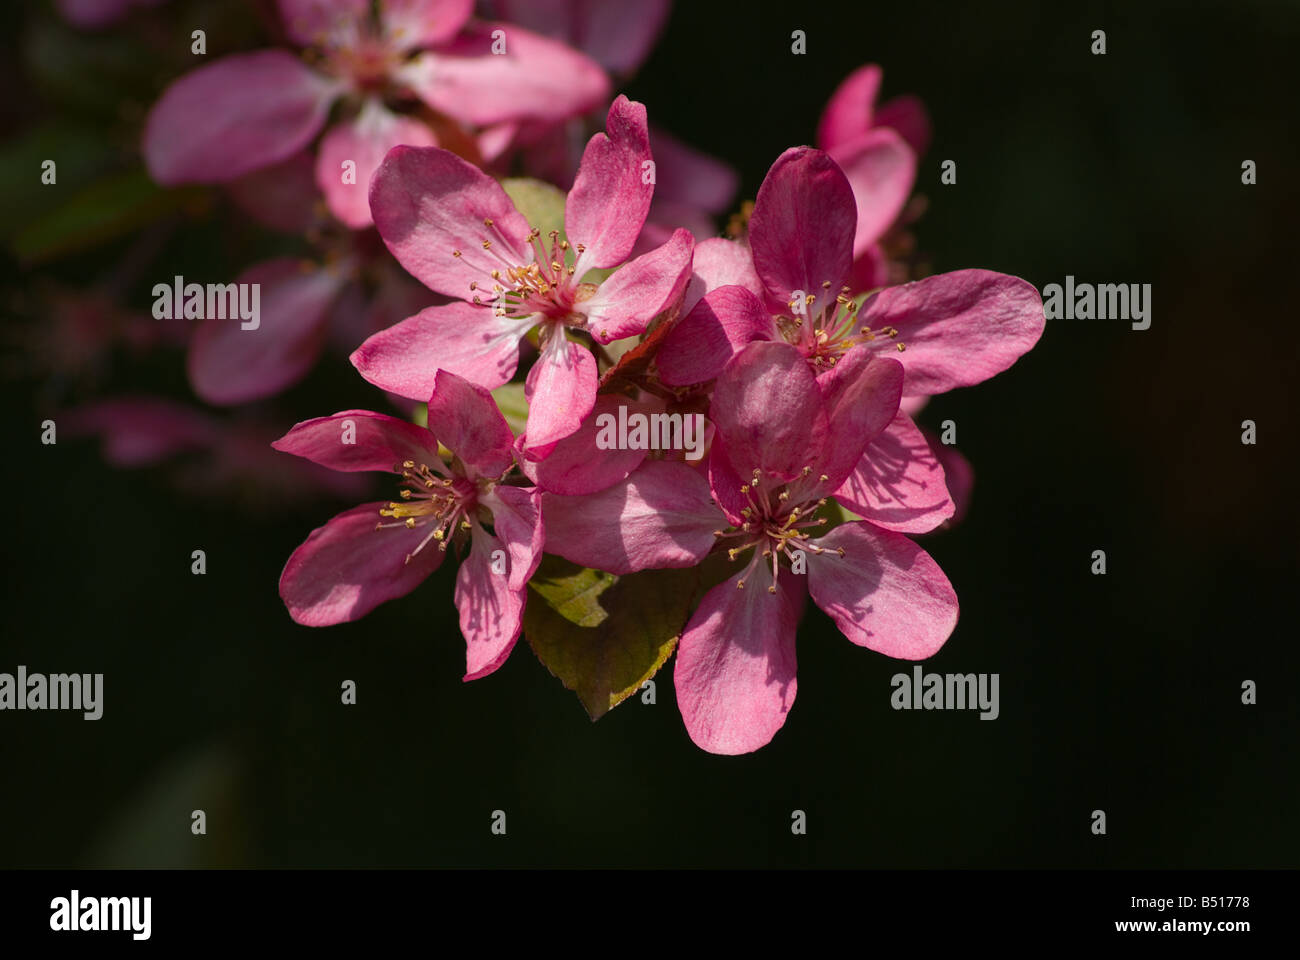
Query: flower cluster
x: 581, y: 379
x: 814, y: 473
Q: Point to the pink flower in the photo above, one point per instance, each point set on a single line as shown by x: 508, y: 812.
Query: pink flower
x: 379, y: 551
x: 786, y: 441
x: 248, y: 111
x: 204, y: 455
x: 455, y: 229
x: 949, y: 330
x: 877, y: 147
x: 351, y: 289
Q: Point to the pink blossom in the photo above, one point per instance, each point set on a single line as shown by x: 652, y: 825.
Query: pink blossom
x: 380, y: 551
x: 348, y: 291
x: 949, y: 330
x: 877, y: 147
x: 786, y: 442
x: 455, y: 229
x: 248, y: 111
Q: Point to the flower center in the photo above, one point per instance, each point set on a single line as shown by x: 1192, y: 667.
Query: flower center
x: 825, y: 333
x: 431, y: 497
x: 777, y: 519
x: 545, y: 287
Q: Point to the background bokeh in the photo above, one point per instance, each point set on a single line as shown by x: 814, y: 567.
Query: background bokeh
x: 1119, y: 692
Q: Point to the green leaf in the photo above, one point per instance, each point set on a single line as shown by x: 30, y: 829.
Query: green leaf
x: 513, y: 406
x: 603, y: 636
x: 541, y: 203
x: 102, y: 211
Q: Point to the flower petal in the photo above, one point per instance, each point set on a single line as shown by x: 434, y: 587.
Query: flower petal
x: 611, y: 197
x: 718, y: 262
x: 534, y: 78
x: 899, y: 484
x: 359, y: 440
x: 861, y: 395
x: 465, y: 418
x: 907, y: 115
x: 362, y: 141
x: 235, y: 115
x: 517, y: 520
x: 561, y: 390
x: 430, y: 207
x: 228, y: 364
x: 491, y: 613
x: 691, y: 177
x: 323, y: 22
x: 700, y: 343
x: 423, y: 23
x: 283, y: 196
x: 469, y: 341
x: 768, y: 411
x: 885, y: 593
x: 735, y: 670
x: 848, y: 113
x: 575, y: 465
x: 626, y: 303
x: 959, y: 328
x: 618, y: 35
x: 661, y: 516
x: 881, y: 169
x: 802, y: 228
x: 346, y: 568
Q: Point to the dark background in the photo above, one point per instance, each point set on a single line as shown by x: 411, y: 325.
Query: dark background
x: 1119, y: 692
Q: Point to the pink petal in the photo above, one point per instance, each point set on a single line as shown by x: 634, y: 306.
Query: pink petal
x: 700, y: 343
x: 491, y: 613
x: 517, y: 521
x: 661, y: 516
x: 283, y: 196
x: 718, y: 262
x: 907, y: 115
x: 690, y: 177
x: 576, y: 466
x: 364, y: 141
x: 423, y: 23
x: 235, y: 115
x: 958, y: 474
x: 347, y: 568
x: 802, y: 228
x: 228, y: 364
x: 899, y: 483
x: 626, y: 303
x: 610, y: 198
x: 381, y: 442
x: 140, y: 431
x: 848, y: 113
x: 959, y: 328
x: 324, y: 22
x: 861, y: 395
x: 881, y: 169
x: 535, y: 78
x: 885, y: 593
x: 768, y: 411
x: 561, y: 390
x: 465, y: 418
x: 428, y: 204
x: 469, y: 341
x: 618, y: 35
x: 735, y: 670
x: 96, y: 14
